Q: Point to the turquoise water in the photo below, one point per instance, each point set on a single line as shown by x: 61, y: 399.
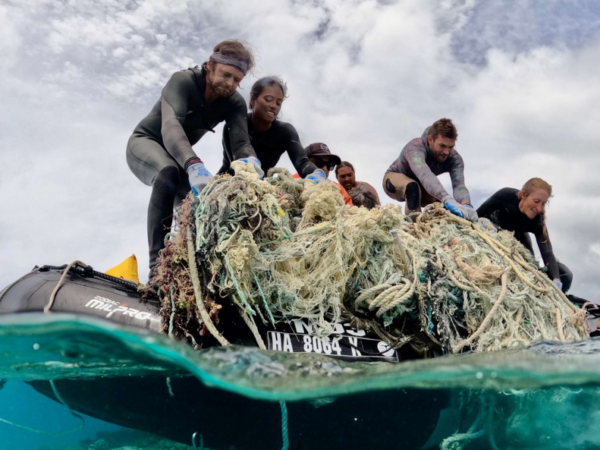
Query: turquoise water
x: 546, y: 397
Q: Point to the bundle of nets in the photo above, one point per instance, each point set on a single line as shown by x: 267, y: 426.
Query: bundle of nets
x: 282, y: 248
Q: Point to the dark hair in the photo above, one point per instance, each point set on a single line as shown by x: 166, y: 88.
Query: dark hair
x: 264, y: 82
x: 362, y: 196
x: 344, y: 164
x: 443, y: 127
x: 235, y: 48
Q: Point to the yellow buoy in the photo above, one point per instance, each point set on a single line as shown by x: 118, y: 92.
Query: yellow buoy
x: 127, y: 269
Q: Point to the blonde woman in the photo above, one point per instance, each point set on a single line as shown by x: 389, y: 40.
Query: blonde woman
x: 522, y: 212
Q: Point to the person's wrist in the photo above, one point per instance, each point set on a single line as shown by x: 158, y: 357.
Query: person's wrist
x: 191, y: 161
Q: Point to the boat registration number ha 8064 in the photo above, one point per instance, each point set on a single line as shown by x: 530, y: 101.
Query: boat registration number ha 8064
x: 345, y: 342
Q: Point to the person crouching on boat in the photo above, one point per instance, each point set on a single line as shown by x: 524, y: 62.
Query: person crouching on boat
x: 522, y: 212
x: 412, y: 178
x: 269, y: 136
x: 159, y: 151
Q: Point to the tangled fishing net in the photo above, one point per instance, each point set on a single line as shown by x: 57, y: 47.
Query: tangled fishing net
x: 284, y: 248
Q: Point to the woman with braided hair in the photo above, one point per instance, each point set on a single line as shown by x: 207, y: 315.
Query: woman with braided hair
x: 522, y: 212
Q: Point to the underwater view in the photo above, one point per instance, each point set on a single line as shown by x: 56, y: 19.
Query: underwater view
x: 72, y: 383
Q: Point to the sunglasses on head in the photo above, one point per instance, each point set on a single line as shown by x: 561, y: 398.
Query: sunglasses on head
x: 320, y: 163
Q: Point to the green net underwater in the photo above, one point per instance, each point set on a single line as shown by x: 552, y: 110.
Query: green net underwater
x: 283, y: 248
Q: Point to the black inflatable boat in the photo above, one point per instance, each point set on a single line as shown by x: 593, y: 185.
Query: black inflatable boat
x: 86, y: 292
x: 350, y: 422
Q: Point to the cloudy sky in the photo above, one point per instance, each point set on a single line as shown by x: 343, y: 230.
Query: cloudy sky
x: 519, y: 79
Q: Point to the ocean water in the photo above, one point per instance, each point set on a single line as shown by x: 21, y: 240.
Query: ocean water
x: 77, y: 383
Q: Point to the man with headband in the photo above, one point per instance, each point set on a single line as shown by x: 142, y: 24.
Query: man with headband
x: 194, y: 101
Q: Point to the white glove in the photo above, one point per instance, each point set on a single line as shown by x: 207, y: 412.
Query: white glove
x: 199, y: 177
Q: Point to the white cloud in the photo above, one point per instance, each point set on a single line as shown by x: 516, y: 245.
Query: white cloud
x: 10, y: 39
x: 364, y: 76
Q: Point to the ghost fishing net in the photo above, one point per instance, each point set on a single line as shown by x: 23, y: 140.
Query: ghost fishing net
x: 284, y: 248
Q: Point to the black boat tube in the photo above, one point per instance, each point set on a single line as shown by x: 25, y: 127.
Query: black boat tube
x: 85, y: 292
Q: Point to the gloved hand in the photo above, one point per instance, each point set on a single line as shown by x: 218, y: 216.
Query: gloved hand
x: 464, y: 211
x: 487, y: 225
x: 318, y: 176
x: 199, y: 177
x: 254, y: 160
x: 470, y: 213
x: 558, y: 283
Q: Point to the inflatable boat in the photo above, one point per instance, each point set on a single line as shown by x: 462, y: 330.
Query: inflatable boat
x: 226, y: 420
x: 84, y: 291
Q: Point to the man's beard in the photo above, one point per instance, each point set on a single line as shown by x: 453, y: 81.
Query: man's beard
x: 221, y: 90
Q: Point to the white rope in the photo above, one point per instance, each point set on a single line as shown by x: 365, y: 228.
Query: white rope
x: 198, y: 293
x: 50, y: 303
x: 286, y: 249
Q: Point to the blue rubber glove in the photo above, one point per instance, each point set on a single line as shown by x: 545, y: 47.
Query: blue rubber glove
x: 257, y: 166
x: 558, y: 283
x: 318, y: 176
x: 199, y: 177
x: 464, y: 211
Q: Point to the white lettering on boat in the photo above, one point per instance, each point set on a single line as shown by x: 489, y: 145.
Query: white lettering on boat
x: 300, y: 326
x: 112, y: 307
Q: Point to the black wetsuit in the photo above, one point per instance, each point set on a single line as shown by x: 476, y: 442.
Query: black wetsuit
x: 502, y: 209
x: 161, y: 144
x: 269, y: 145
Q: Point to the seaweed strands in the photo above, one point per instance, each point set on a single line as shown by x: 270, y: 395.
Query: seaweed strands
x: 182, y: 318
x: 284, y: 248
